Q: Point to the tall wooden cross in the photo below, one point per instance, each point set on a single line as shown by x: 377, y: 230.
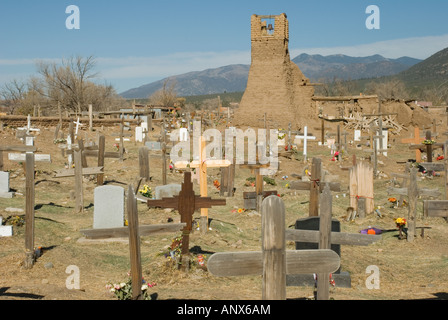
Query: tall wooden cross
x: 413, y: 193
x: 134, y: 232
x: 273, y: 262
x: 186, y: 203
x: 427, y: 144
x: 201, y: 165
x: 415, y: 140
x: 315, y: 186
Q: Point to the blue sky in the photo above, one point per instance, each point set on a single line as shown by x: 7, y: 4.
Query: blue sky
x: 136, y: 42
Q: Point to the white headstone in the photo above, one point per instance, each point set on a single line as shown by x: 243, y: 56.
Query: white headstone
x: 167, y: 191
x: 4, y: 185
x: 357, y: 135
x: 139, y: 134
x: 385, y: 138
x: 29, y: 141
x: 5, y: 231
x: 108, y: 207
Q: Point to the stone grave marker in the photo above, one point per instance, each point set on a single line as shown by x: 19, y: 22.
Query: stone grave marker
x: 5, y: 231
x: 153, y: 145
x: 4, y: 185
x: 108, y: 207
x: 167, y: 191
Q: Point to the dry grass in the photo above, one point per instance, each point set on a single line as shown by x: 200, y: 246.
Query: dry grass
x: 407, y: 270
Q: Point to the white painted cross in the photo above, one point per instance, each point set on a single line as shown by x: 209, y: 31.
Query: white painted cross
x: 78, y: 124
x: 305, y: 138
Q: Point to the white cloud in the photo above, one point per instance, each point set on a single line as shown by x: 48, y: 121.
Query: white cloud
x: 417, y: 47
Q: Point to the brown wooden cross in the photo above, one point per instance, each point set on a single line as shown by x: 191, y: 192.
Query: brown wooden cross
x: 315, y: 186
x: 134, y: 232
x: 274, y: 262
x: 429, y: 146
x: 415, y: 140
x: 201, y: 165
x: 186, y: 203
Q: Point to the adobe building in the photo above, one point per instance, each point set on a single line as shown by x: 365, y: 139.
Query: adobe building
x: 275, y: 86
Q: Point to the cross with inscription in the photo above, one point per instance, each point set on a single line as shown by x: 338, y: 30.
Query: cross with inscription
x: 186, y: 203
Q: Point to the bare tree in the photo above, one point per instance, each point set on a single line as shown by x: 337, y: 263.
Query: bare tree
x: 166, y: 96
x: 67, y: 82
x: 13, y: 94
x: 393, y: 89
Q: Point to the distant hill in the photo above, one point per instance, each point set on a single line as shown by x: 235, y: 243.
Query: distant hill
x: 233, y: 78
x: 320, y: 68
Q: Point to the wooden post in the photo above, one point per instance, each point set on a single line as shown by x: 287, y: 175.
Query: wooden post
x: 121, y: 139
x: 101, y: 150
x: 143, y: 159
x: 90, y: 117
x: 361, y: 186
x: 273, y: 248
x: 134, y: 246
x: 412, y: 197
x: 316, y: 176
x: 29, y: 211
x: 163, y: 145
x: 323, y: 285
x: 79, y: 206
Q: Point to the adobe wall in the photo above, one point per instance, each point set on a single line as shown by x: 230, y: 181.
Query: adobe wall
x: 275, y: 86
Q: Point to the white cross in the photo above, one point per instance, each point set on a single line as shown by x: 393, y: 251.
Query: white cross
x: 78, y: 124
x: 305, y: 138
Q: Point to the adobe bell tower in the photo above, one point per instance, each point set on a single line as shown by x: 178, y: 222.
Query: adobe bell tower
x: 275, y: 86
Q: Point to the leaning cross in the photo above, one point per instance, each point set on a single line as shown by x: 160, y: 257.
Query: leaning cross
x: 273, y: 261
x: 315, y: 186
x: 186, y: 203
x: 134, y: 232
x: 201, y: 165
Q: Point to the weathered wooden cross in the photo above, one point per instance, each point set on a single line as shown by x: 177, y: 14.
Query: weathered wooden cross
x: 415, y: 140
x: 186, y: 203
x: 413, y: 193
x: 121, y: 135
x: 78, y: 172
x: 201, y: 165
x: 274, y: 262
x: 315, y: 186
x: 134, y: 232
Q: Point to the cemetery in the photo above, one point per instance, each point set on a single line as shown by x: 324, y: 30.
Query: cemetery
x: 86, y: 206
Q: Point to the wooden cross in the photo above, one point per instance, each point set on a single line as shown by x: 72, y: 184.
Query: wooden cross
x: 429, y: 145
x: 201, y: 165
x: 256, y: 169
x: 273, y: 262
x: 134, y: 232
x: 78, y: 172
x: 325, y: 237
x: 315, y: 186
x: 305, y: 138
x: 289, y: 132
x: 415, y: 140
x: 121, y: 136
x: 186, y: 203
x: 413, y: 193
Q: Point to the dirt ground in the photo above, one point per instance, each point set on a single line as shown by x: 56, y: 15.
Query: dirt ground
x: 408, y: 271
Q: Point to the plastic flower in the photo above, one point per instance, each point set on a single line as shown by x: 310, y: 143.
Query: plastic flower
x: 240, y: 210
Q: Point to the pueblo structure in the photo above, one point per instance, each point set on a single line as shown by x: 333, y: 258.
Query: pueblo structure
x: 276, y: 86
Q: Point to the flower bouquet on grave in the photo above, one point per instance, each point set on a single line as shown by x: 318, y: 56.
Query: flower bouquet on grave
x: 146, y: 191
x: 116, y: 146
x: 394, y: 202
x: 174, y: 251
x: 429, y: 142
x: 401, y: 223
x: 123, y: 290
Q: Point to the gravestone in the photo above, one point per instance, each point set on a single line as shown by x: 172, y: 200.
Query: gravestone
x: 5, y: 231
x: 109, y: 207
x: 139, y: 134
x: 4, y: 185
x: 153, y: 145
x: 357, y: 136
x: 167, y: 191
x: 342, y: 279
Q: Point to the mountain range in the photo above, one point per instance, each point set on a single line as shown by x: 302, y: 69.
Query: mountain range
x: 318, y: 68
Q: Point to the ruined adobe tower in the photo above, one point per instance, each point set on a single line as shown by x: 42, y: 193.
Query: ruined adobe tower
x: 275, y: 86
